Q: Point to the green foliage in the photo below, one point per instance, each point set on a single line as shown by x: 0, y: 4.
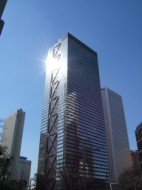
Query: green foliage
x: 5, y: 183
x: 4, y: 163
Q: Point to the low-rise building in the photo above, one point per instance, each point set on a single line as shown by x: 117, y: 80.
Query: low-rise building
x: 24, y: 169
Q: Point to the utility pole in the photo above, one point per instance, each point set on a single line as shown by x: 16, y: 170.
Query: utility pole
x: 2, y: 6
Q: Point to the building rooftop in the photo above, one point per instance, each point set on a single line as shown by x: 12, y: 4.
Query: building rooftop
x: 78, y: 42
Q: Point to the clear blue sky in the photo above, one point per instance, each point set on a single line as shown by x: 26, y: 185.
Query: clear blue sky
x: 113, y: 28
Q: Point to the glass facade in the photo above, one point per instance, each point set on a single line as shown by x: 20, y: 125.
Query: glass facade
x: 116, y: 133
x: 72, y: 152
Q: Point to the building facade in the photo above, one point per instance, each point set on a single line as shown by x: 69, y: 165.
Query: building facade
x: 138, y: 134
x: 24, y: 169
x: 12, y: 139
x: 72, y: 151
x: 2, y: 6
x: 116, y: 134
x: 135, y: 160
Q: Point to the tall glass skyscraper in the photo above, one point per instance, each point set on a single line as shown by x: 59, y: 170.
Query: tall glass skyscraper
x: 72, y: 152
x: 117, y: 137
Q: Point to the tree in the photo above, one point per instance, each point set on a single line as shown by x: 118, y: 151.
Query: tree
x: 39, y: 182
x: 4, y: 163
x: 5, y: 182
x: 131, y: 179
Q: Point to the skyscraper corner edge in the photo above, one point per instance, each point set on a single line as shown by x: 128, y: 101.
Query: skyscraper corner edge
x: 72, y: 37
x: 1, y: 26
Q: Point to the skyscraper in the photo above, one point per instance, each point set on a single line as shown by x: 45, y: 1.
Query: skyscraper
x: 116, y: 133
x: 72, y: 152
x: 138, y: 134
x: 12, y: 138
x: 2, y: 6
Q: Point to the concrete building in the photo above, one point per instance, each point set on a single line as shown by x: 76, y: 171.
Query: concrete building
x: 116, y: 134
x: 138, y: 134
x: 12, y: 139
x: 135, y: 159
x: 24, y: 169
x: 72, y: 139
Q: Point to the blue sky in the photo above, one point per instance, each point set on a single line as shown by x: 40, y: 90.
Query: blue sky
x: 113, y: 28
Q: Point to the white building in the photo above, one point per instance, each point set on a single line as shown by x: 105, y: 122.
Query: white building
x: 12, y: 138
x: 116, y: 134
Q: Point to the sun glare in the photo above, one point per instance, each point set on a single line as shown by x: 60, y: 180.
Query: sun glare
x: 52, y: 64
